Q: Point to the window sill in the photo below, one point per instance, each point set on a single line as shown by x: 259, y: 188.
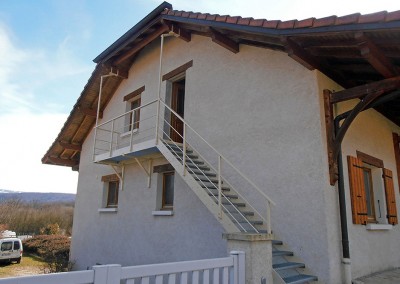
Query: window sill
x: 108, y: 210
x: 125, y: 134
x: 162, y: 213
x: 379, y: 227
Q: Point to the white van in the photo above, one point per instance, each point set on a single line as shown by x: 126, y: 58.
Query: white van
x: 11, y: 250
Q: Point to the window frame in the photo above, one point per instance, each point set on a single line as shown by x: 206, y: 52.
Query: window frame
x: 133, y: 119
x: 164, y: 205
x: 110, y: 183
x: 116, y: 193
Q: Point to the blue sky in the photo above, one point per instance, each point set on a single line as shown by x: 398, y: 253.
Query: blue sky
x: 46, y: 53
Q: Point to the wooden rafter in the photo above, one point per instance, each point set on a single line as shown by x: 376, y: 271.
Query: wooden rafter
x: 145, y: 41
x: 375, y: 56
x: 69, y: 146
x: 306, y: 59
x: 64, y: 162
x: 182, y: 33
x: 90, y: 112
x: 224, y: 41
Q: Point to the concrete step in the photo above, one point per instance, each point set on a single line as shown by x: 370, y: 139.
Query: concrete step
x: 288, y: 265
x: 197, y: 172
x: 227, y: 195
x: 299, y: 279
x: 282, y: 253
x: 276, y: 242
x: 197, y: 166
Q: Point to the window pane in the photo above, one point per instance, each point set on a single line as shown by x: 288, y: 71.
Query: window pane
x: 134, y: 117
x: 168, y: 190
x: 16, y: 245
x: 6, y: 246
x: 112, y: 198
x: 369, y: 193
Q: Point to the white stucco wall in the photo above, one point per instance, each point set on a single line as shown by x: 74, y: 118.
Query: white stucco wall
x: 260, y: 109
x: 371, y: 133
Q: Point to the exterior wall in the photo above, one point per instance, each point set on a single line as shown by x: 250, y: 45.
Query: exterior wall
x: 261, y: 110
x: 371, y: 133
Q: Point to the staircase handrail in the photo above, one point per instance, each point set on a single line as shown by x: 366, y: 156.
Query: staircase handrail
x: 225, y: 159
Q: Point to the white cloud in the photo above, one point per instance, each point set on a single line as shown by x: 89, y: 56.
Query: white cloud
x: 25, y: 139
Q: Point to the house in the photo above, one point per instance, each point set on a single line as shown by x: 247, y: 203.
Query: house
x: 288, y: 128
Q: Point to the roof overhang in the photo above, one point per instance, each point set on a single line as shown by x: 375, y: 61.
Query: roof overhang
x: 353, y: 50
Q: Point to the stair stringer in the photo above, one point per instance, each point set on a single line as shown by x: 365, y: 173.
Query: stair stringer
x: 213, y: 207
x: 294, y: 258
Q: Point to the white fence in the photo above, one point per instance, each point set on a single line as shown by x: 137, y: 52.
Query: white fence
x: 229, y: 270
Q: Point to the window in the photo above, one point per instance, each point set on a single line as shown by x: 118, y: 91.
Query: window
x: 133, y: 101
x: 5, y: 246
x: 168, y: 191
x: 371, y: 190
x: 112, y: 194
x: 110, y: 191
x: 16, y: 245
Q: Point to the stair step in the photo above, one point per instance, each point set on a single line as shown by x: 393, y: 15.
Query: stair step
x: 176, y: 148
x: 195, y: 166
x: 198, y: 172
x: 288, y: 265
x: 282, y: 253
x: 212, y: 186
x: 244, y: 213
x: 277, y: 242
x: 189, y: 155
x: 301, y: 278
x: 252, y: 222
x: 207, y: 179
x: 230, y: 196
x: 237, y: 204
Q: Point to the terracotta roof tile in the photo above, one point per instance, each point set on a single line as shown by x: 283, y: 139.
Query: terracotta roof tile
x: 194, y: 15
x: 372, y: 18
x: 186, y: 14
x: 232, y: 20
x: 356, y: 18
x: 257, y: 22
x: 304, y: 23
x: 286, y: 24
x: 393, y: 16
x: 271, y: 24
x: 244, y: 21
x: 211, y: 17
x: 202, y: 16
x: 348, y: 19
x: 221, y: 18
x: 323, y: 22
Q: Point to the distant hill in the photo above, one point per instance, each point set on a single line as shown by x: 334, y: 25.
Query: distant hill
x: 36, y: 196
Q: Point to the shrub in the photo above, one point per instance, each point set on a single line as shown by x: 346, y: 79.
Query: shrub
x: 54, y: 249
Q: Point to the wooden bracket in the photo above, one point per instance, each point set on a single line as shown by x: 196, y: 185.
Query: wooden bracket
x: 224, y: 41
x: 182, y: 33
x: 69, y: 146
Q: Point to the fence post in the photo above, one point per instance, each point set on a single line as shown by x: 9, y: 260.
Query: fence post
x: 239, y: 267
x: 107, y: 274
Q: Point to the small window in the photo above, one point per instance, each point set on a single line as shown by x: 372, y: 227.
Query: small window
x: 168, y: 191
x: 112, y: 194
x: 6, y: 246
x: 110, y: 191
x: 369, y: 193
x: 133, y: 101
x: 16, y: 245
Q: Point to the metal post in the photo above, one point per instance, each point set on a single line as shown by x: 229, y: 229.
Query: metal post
x: 184, y: 148
x: 97, y: 117
x: 269, y: 230
x: 112, y: 137
x: 219, y: 188
x: 159, y: 88
x: 133, y: 119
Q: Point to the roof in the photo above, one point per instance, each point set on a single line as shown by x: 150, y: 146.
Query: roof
x: 352, y: 50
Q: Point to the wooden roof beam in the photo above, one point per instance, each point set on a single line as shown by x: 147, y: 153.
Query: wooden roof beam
x: 224, y: 41
x: 360, y: 91
x: 90, y: 112
x: 69, y: 146
x: 306, y: 59
x: 375, y: 56
x: 63, y: 162
x: 142, y: 43
x: 183, y: 34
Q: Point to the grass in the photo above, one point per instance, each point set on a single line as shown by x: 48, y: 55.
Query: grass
x: 30, y: 265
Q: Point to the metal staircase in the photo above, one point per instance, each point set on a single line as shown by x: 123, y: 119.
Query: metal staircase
x: 234, y: 207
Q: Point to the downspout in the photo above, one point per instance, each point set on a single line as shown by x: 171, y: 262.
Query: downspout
x: 160, y: 80
x: 343, y: 214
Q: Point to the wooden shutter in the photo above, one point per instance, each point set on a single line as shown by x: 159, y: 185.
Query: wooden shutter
x: 357, y: 190
x: 390, y: 197
x: 396, y: 141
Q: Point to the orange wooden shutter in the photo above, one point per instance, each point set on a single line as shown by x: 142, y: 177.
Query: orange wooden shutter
x: 357, y: 190
x: 390, y: 197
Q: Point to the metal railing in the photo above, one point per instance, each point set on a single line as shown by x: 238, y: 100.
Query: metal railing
x: 124, y: 132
